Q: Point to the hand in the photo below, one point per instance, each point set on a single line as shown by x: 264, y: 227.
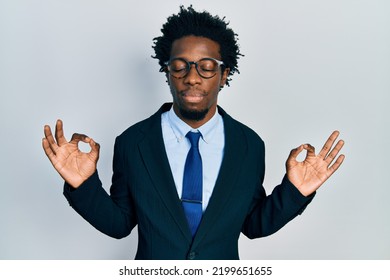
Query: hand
x: 73, y: 165
x: 314, y: 170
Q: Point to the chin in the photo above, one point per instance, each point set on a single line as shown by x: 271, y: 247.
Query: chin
x: 193, y: 115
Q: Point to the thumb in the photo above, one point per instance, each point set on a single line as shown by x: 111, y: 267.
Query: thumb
x: 292, y: 158
x: 295, y: 152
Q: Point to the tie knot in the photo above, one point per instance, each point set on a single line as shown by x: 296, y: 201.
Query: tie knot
x: 194, y: 138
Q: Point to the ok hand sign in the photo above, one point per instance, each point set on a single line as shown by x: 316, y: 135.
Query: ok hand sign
x: 73, y: 165
x: 311, y: 173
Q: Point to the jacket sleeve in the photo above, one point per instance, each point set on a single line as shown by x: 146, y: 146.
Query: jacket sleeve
x: 112, y: 214
x: 268, y: 214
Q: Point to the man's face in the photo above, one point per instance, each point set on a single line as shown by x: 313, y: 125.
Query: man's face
x: 195, y: 98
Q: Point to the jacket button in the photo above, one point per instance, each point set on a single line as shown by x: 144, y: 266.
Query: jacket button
x: 192, y: 256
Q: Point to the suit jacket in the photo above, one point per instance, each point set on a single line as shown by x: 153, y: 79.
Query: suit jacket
x: 143, y: 193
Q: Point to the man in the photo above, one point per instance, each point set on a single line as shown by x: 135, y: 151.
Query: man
x: 189, y: 176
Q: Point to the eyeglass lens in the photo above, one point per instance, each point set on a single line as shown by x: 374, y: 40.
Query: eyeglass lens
x: 206, y: 67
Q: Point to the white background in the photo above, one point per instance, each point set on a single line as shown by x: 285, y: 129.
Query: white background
x: 310, y: 67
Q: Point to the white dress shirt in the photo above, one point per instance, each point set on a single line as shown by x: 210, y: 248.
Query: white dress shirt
x: 211, y: 146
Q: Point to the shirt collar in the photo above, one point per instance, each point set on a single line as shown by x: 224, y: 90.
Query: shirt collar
x: 180, y: 128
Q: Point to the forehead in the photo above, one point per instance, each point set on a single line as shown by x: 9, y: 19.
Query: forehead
x: 194, y: 48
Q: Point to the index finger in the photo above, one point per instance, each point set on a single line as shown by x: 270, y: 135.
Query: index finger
x: 328, y: 144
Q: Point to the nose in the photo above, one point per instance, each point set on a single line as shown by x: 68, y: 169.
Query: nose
x: 192, y: 77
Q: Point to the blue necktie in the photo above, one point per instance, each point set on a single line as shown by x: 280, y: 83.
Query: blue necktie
x: 192, y: 184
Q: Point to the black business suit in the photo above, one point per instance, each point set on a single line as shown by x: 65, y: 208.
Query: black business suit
x: 143, y: 193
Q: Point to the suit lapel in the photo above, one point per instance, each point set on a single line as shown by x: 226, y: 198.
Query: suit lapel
x: 235, y: 148
x: 156, y: 161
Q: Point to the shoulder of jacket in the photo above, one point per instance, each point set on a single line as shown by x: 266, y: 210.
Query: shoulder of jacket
x: 248, y: 132
x: 140, y: 128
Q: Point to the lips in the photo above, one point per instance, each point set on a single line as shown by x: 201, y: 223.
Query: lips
x: 193, y: 96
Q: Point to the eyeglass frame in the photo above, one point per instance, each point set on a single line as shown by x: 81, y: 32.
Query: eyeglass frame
x: 188, y: 68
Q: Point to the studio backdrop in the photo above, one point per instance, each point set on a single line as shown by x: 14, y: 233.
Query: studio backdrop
x: 310, y: 67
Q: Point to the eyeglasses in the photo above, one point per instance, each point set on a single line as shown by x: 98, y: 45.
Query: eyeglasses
x: 206, y: 67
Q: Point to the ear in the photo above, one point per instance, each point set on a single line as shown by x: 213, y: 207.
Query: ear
x: 167, y: 76
x: 224, y: 76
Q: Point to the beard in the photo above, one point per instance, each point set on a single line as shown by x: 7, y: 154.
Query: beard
x: 193, y: 115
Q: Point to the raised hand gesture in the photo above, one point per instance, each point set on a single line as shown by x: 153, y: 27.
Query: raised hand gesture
x: 73, y: 165
x: 314, y: 170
